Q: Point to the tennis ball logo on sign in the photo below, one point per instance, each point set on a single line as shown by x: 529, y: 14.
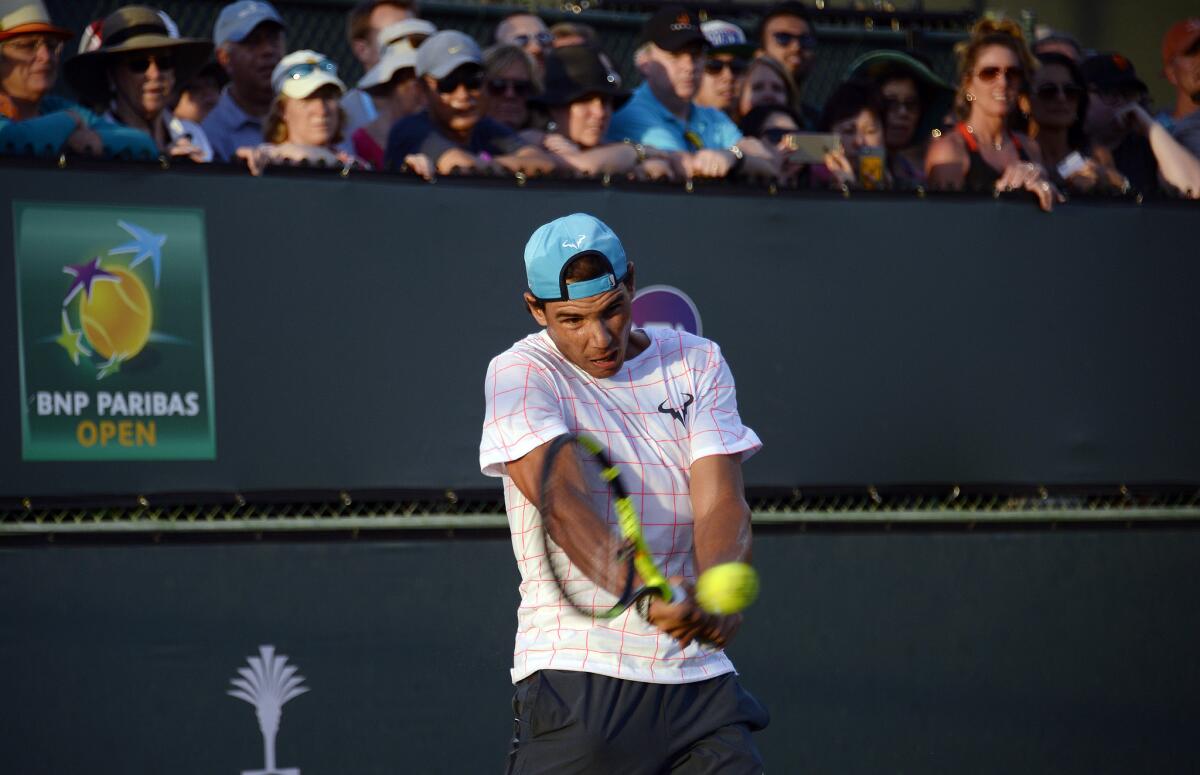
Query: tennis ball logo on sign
x: 666, y: 306
x: 115, y: 356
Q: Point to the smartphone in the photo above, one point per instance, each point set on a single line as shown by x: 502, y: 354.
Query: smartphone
x: 871, y: 164
x: 810, y: 147
x: 1070, y: 165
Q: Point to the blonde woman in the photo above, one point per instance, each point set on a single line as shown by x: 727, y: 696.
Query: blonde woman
x: 306, y: 119
x: 981, y: 153
x: 767, y: 82
x: 511, y: 80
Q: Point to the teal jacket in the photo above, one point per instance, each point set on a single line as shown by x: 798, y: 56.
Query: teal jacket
x: 47, y: 134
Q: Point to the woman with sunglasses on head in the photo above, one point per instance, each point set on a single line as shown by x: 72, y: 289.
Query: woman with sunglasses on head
x: 510, y: 80
x: 981, y: 153
x: 305, y: 122
x: 134, y: 71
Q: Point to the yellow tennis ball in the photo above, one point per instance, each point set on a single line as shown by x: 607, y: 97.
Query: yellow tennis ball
x: 116, y: 316
x: 727, y: 588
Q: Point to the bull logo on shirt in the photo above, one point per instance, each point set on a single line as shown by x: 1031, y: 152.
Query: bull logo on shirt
x: 679, y: 414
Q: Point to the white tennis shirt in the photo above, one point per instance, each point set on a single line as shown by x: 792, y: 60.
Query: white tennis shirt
x: 666, y: 408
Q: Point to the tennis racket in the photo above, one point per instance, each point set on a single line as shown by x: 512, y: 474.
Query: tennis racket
x: 594, y: 543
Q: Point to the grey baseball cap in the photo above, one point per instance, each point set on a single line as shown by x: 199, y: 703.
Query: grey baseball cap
x: 446, y: 51
x: 237, y: 20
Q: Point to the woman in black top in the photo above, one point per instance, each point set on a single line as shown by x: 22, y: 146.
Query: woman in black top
x: 982, y: 153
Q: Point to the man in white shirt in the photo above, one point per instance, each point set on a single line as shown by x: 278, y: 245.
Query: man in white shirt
x: 627, y: 694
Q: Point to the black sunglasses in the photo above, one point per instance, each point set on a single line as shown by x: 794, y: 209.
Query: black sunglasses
x: 715, y: 66
x: 1050, y: 90
x: 498, y: 87
x: 471, y: 78
x: 142, y: 64
x: 786, y: 39
x: 775, y: 134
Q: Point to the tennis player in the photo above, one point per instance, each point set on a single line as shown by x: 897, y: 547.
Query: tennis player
x: 652, y: 690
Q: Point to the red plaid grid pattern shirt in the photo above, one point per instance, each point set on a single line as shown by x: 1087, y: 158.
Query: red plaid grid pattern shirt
x: 666, y: 408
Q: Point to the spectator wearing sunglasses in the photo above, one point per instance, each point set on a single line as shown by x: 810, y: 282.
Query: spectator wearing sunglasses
x: 772, y: 124
x: 305, y: 121
x: 1057, y: 118
x: 767, y: 82
x: 1126, y: 136
x: 1181, y: 66
x: 786, y: 34
x: 582, y: 90
x: 364, y: 27
x: 510, y: 80
x: 392, y: 86
x: 981, y: 153
x: 725, y: 66
x: 133, y: 72
x: 525, y: 30
x: 250, y: 40
x: 452, y: 132
x: 915, y: 102
x: 32, y: 121
x: 662, y: 114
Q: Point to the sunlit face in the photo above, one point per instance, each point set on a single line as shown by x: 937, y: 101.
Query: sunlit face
x: 675, y: 72
x: 456, y: 101
x: 790, y: 40
x: 251, y: 61
x: 314, y: 119
x: 996, y: 80
x: 585, y: 121
x: 144, y: 81
x: 862, y: 131
x: 29, y: 65
x: 1055, y: 99
x: 723, y: 75
x: 902, y: 103
x: 592, y: 333
x: 1183, y: 71
x: 507, y: 90
x: 763, y: 86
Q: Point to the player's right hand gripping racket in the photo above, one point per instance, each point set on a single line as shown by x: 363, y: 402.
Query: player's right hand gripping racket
x: 596, y: 550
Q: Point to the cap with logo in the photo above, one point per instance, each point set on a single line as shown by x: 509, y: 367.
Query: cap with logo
x: 445, y: 52
x: 573, y: 72
x: 126, y: 31
x: 554, y: 245
x: 237, y: 20
x: 399, y: 51
x: 1111, y: 72
x: 301, y: 73
x: 726, y: 38
x: 673, y: 29
x: 1182, y: 36
x: 22, y: 17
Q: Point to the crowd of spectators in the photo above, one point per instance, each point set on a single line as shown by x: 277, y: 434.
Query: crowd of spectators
x: 1050, y: 118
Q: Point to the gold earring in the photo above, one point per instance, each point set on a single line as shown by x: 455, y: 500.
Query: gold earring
x: 970, y: 97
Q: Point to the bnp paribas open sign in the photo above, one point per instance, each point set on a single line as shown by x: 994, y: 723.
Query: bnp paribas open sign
x: 116, y: 359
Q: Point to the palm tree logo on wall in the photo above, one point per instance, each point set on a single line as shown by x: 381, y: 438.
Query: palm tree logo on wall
x: 268, y: 684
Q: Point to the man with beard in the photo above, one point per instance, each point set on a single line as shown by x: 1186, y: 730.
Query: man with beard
x: 786, y: 34
x: 250, y: 41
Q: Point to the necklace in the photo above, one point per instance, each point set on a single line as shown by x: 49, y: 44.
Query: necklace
x: 997, y: 143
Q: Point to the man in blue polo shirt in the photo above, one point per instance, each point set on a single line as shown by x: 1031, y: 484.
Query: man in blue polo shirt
x: 662, y: 113
x: 250, y: 41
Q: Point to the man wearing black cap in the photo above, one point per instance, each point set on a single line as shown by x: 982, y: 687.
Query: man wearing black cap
x: 1118, y: 124
x: 662, y: 112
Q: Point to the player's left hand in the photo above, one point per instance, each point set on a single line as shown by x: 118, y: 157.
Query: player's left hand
x: 683, y: 620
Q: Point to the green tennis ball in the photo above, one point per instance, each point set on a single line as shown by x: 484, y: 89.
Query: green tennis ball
x: 727, y: 588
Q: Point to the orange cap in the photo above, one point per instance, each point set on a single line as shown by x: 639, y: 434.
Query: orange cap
x: 1180, y: 38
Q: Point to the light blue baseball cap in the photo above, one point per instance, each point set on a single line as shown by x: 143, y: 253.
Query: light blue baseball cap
x: 237, y: 20
x: 555, y: 244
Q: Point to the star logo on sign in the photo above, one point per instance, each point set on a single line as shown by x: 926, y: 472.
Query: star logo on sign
x: 71, y: 341
x: 111, y: 366
x: 85, y: 274
x: 145, y: 245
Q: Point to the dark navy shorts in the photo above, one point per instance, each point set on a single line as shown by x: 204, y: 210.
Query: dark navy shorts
x: 574, y: 722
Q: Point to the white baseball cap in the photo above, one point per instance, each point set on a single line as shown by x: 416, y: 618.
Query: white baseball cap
x: 397, y: 33
x: 301, y: 73
x: 396, y: 58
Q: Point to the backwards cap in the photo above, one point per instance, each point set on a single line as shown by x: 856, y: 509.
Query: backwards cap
x: 554, y: 245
